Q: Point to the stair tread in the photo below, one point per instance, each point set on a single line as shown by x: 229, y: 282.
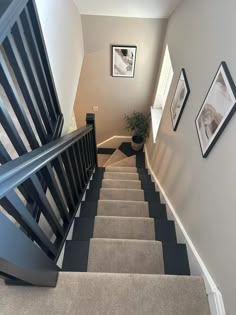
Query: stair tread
x: 125, y: 256
x: 124, y: 228
x: 103, y: 293
x: 102, y: 159
x: 120, y: 175
x: 121, y: 183
x: 121, y: 169
x: 128, y: 161
x: 121, y: 194
x: 115, y: 157
x: 123, y: 208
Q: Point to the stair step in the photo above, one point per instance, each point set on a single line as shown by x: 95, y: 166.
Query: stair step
x: 102, y: 159
x: 100, y: 293
x: 115, y: 175
x: 124, y: 228
x: 129, y: 161
x: 123, y: 208
x: 121, y: 194
x: 173, y: 256
x: 120, y: 227
x: 121, y: 169
x: 125, y: 256
x: 115, y: 157
x: 130, y: 184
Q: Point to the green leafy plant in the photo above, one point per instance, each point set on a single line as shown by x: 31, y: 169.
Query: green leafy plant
x: 138, y: 123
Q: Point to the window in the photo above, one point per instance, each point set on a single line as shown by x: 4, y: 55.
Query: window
x: 162, y: 92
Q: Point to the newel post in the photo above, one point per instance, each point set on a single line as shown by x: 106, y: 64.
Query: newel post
x: 90, y: 120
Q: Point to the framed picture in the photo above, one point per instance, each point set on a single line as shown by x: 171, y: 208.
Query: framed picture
x: 217, y: 109
x: 123, y: 61
x: 180, y: 99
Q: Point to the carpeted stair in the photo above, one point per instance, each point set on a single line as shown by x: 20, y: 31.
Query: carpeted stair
x: 123, y: 236
x: 123, y: 258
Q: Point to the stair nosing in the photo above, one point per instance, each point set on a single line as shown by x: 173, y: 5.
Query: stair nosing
x: 126, y: 189
x: 124, y: 218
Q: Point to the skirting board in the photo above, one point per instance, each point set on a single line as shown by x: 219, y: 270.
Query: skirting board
x: 197, y: 265
x: 118, y: 138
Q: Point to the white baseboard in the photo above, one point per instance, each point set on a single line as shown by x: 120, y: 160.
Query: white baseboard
x: 215, y: 298
x: 121, y: 138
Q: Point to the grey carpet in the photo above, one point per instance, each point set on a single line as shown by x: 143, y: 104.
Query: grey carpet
x: 102, y: 159
x: 124, y: 228
x: 109, y: 294
x: 115, y: 157
x: 123, y: 250
x: 123, y: 208
x: 116, y: 175
x: 121, y: 169
x: 129, y: 161
x: 125, y: 256
x: 130, y: 184
x: 121, y: 194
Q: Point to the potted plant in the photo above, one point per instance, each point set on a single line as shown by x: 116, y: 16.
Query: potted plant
x: 138, y: 123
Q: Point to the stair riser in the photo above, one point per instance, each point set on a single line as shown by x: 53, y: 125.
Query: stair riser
x: 125, y: 176
x: 124, y: 228
x: 121, y: 184
x: 120, y: 194
x: 126, y: 209
x: 122, y: 256
x: 121, y: 169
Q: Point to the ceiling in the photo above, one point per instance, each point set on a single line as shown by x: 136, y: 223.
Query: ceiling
x: 128, y: 8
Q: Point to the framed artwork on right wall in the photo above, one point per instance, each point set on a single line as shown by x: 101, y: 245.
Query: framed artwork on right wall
x: 217, y: 109
x: 180, y: 99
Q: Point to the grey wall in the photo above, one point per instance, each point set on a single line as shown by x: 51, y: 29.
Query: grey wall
x: 200, y: 36
x: 117, y: 96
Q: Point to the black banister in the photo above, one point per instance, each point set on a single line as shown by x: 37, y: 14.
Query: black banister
x: 90, y: 120
x: 65, y: 165
x: 10, y: 11
x: 15, y: 172
x: 35, y: 269
x: 25, y: 70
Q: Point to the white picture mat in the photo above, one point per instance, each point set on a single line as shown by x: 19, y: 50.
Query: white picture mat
x: 118, y: 62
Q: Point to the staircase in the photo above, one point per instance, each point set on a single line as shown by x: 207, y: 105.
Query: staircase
x: 123, y: 257
x: 126, y: 247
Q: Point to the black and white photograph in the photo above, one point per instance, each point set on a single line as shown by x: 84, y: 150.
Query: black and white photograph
x: 123, y: 61
x: 180, y: 99
x: 217, y: 109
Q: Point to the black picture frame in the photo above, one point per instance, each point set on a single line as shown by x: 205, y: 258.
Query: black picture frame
x: 123, y: 61
x: 180, y: 98
x: 217, y: 109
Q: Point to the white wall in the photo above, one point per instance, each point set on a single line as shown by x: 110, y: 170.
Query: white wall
x: 62, y: 29
x: 200, y: 35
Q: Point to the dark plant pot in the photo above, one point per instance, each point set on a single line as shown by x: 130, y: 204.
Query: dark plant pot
x: 137, y: 143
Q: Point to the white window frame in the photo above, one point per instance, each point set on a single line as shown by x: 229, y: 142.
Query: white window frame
x: 163, y: 88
